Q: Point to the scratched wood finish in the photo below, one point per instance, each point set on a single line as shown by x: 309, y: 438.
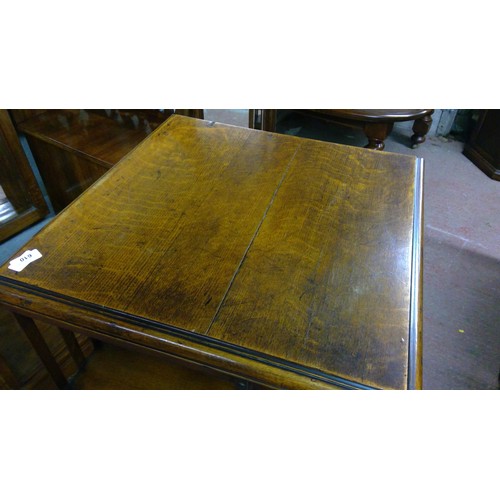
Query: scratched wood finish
x: 177, y: 191
x: 326, y: 282
x: 281, y: 260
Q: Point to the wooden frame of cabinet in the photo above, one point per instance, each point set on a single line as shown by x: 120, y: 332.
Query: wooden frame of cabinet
x: 18, y: 182
x: 482, y: 148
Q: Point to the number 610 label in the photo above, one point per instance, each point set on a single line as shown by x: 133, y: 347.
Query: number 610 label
x: 26, y: 258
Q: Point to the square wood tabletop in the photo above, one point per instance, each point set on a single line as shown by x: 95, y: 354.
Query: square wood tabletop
x: 284, y: 261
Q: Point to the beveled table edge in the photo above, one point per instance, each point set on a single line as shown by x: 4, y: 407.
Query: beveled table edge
x: 416, y: 284
x: 120, y: 326
x: 414, y: 370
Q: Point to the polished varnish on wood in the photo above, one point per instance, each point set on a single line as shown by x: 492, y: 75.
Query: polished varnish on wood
x: 91, y: 135
x: 74, y: 147
x: 284, y: 261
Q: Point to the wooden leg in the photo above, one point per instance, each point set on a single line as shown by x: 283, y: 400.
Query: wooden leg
x: 35, y: 337
x: 7, y: 374
x: 377, y: 133
x: 262, y: 119
x: 420, y: 128
x: 197, y: 113
x: 193, y: 113
x: 269, y: 119
x: 245, y: 385
x: 73, y: 346
x: 251, y: 118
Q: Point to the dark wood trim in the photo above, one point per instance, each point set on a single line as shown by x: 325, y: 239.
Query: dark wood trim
x: 65, y: 147
x: 17, y: 224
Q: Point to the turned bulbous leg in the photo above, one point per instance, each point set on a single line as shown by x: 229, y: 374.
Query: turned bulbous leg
x: 376, y: 134
x: 420, y: 129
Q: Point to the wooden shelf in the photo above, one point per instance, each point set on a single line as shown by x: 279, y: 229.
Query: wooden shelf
x: 114, y: 368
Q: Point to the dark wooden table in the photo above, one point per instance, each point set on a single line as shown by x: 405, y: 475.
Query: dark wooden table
x: 283, y: 261
x: 377, y: 124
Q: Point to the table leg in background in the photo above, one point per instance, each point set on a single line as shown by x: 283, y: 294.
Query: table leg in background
x: 73, y: 346
x: 35, y: 337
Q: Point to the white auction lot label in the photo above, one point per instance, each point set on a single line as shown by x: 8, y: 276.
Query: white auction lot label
x: 26, y: 258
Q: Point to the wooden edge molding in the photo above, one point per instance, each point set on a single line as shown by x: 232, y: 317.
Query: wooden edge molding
x: 112, y: 325
x: 416, y: 289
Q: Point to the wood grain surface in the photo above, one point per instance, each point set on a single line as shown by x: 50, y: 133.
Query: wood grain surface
x: 326, y: 282
x: 282, y: 260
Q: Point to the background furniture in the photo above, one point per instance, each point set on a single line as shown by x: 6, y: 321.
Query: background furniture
x: 314, y: 284
x: 21, y: 200
x: 483, y: 147
x: 376, y: 123
x: 26, y: 368
x: 75, y: 147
